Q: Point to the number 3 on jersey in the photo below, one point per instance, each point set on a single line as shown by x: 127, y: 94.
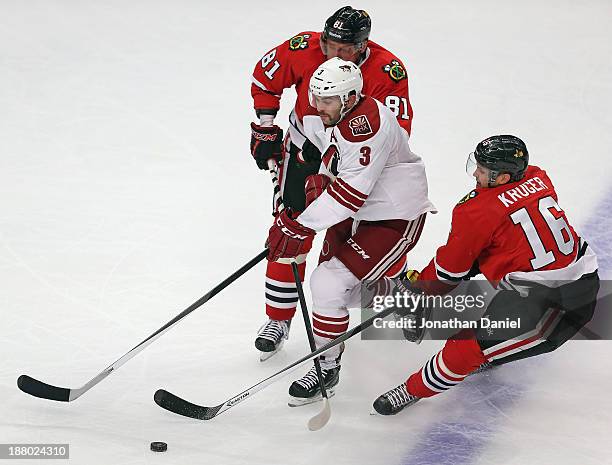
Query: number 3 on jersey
x: 266, y: 60
x: 558, y: 227
x: 365, y: 155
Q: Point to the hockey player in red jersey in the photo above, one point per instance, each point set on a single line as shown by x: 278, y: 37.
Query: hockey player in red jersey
x: 370, y: 195
x: 512, y: 230
x: 345, y: 35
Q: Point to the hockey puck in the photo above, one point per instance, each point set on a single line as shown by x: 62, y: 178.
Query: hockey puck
x: 157, y: 446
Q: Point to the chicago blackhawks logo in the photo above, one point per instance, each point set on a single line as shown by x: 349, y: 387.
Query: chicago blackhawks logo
x: 395, y: 71
x: 469, y: 196
x: 360, y: 126
x: 299, y: 42
x: 345, y: 68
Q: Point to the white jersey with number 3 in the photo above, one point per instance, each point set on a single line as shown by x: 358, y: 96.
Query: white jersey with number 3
x: 375, y: 176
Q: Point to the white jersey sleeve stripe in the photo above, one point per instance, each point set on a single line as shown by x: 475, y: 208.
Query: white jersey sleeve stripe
x: 261, y: 86
x: 445, y: 274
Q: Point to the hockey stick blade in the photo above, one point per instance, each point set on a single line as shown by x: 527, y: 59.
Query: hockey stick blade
x: 37, y: 388
x: 320, y: 419
x: 175, y: 404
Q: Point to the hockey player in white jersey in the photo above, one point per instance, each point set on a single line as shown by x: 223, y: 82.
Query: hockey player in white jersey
x: 370, y: 195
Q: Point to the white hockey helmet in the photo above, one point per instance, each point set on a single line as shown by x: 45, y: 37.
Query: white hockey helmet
x: 336, y: 77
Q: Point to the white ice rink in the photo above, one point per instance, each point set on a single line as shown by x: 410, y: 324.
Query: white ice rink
x: 127, y: 192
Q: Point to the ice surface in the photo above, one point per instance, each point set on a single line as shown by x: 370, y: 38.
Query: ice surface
x: 127, y: 192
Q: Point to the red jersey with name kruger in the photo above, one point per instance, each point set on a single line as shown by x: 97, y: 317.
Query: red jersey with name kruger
x: 517, y: 227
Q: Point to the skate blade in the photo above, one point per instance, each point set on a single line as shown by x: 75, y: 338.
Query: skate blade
x: 263, y: 356
x: 299, y: 401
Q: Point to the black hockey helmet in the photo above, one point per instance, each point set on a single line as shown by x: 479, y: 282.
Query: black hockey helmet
x: 503, y: 154
x: 348, y: 25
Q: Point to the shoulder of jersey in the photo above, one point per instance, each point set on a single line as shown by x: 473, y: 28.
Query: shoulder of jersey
x: 304, y: 41
x: 476, y: 202
x: 383, y: 61
x: 468, y: 197
x: 362, y: 123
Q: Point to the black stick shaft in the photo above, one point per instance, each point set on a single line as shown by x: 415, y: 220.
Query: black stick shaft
x: 305, y: 314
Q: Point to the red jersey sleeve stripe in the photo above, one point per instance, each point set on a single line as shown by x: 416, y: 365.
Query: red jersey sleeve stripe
x: 338, y: 198
x: 349, y: 197
x: 360, y: 195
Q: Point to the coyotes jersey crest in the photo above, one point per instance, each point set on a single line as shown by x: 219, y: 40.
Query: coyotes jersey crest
x: 360, y: 126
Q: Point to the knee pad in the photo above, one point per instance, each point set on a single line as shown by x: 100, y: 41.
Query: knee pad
x: 332, y: 285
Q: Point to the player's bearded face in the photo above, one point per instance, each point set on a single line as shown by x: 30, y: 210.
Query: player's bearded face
x: 328, y: 108
x: 347, y: 52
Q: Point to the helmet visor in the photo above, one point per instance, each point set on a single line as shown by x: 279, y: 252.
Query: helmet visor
x: 346, y: 50
x: 471, y: 165
x: 311, y: 99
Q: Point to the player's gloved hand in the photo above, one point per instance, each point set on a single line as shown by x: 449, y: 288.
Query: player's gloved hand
x: 315, y: 185
x: 416, y: 312
x: 309, y: 152
x: 266, y: 143
x: 286, y: 237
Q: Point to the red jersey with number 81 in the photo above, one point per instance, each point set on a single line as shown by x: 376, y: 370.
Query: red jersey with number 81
x: 517, y: 227
x: 294, y: 61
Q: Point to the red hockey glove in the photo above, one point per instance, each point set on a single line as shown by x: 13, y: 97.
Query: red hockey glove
x: 286, y: 237
x: 266, y: 143
x: 315, y: 186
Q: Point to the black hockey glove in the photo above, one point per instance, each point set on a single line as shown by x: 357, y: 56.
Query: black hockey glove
x: 266, y: 143
x: 309, y: 153
x: 416, y: 311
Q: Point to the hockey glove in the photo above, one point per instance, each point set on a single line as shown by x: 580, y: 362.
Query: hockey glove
x: 417, y: 312
x: 309, y: 153
x: 286, y: 237
x: 266, y: 143
x: 315, y: 185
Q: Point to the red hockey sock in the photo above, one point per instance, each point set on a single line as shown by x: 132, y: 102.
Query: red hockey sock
x: 281, y: 292
x: 460, y: 356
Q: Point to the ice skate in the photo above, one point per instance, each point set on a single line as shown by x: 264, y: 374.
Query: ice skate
x: 271, y: 337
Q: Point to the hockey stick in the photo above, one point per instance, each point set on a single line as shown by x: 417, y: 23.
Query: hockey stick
x: 319, y: 420
x: 37, y: 388
x: 175, y: 404
x: 277, y: 199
